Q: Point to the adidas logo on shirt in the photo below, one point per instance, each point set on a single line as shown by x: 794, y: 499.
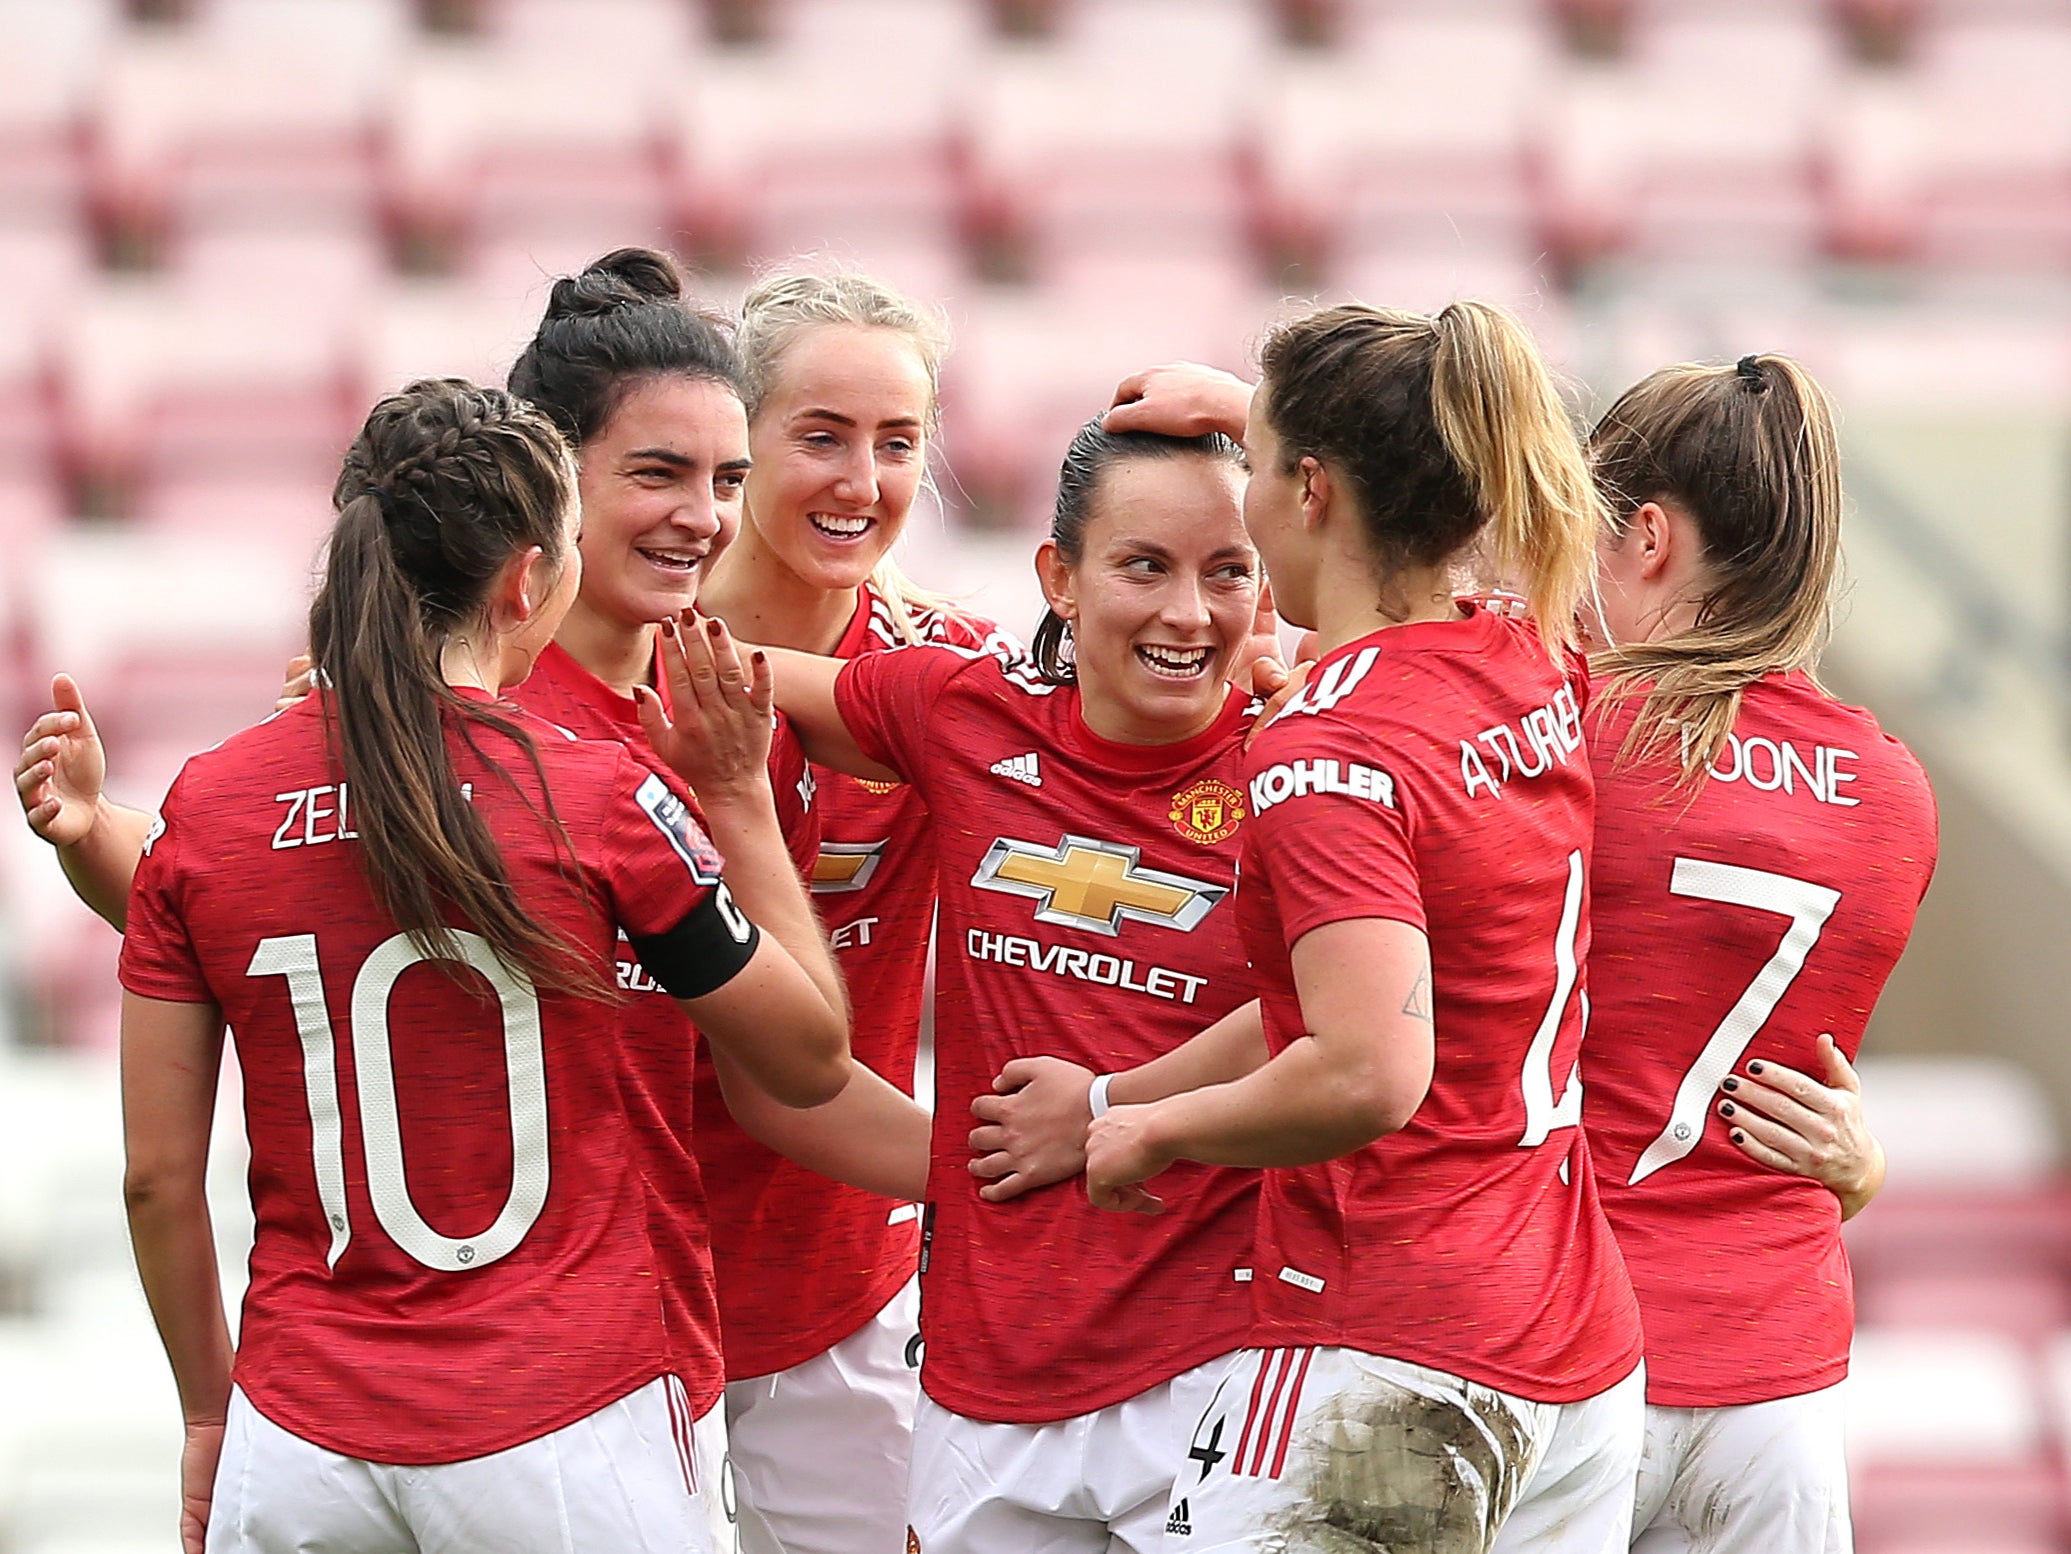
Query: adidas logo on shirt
x: 1022, y: 768
x: 1180, y: 1524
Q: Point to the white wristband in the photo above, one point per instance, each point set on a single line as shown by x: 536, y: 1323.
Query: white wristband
x: 1096, y: 1098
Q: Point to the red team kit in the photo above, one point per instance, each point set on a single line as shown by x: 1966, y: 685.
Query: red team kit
x: 1610, y: 895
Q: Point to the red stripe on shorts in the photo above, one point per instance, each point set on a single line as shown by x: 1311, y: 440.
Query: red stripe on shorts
x: 1294, y: 1403
x: 1258, y: 1458
x: 679, y: 1430
x: 1258, y: 1388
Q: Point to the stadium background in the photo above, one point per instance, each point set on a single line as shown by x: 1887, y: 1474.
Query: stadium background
x: 226, y: 225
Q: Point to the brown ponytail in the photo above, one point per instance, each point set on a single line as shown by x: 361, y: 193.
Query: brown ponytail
x: 444, y: 484
x: 1452, y: 437
x: 1751, y: 454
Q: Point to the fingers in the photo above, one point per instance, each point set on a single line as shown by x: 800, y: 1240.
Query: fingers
x: 1006, y: 1189
x: 1760, y: 1150
x: 1840, y: 1072
x: 988, y: 1138
x: 46, y: 729
x: 762, y: 684
x: 989, y: 1108
x: 1018, y: 1072
x: 1268, y: 675
x: 1132, y: 388
x: 998, y: 1165
x: 654, y: 721
x: 66, y: 696
x: 1751, y: 1099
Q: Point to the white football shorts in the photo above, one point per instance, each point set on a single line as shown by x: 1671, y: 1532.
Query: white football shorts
x: 1756, y: 1478
x: 1325, y: 1447
x: 638, y: 1476
x: 1090, y: 1484
x: 820, y: 1451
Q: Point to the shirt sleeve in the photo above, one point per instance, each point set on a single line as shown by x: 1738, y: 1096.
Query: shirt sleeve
x: 158, y: 957
x: 888, y: 701
x: 665, y: 884
x: 791, y: 779
x: 1328, y: 824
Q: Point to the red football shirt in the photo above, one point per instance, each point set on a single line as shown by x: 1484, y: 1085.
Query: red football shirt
x: 664, y: 1062
x: 1738, y: 922
x: 1082, y: 914
x: 452, y: 1252
x: 804, y: 1262
x: 1434, y: 774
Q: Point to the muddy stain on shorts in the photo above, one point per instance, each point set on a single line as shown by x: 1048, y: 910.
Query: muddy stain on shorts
x: 1387, y: 1470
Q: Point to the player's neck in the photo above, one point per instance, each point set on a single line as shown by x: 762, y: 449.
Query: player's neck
x: 1351, y: 602
x: 621, y: 656
x: 763, y: 600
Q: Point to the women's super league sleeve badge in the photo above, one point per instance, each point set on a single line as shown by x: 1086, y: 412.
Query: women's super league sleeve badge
x: 1207, y: 811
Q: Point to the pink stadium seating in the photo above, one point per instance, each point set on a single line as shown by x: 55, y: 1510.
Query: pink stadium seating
x: 256, y: 132
x: 774, y: 152
x: 1417, y: 136
x: 1997, y: 184
x: 1069, y: 152
x: 2028, y: 1305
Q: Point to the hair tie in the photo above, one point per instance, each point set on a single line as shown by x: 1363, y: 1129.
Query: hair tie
x: 1750, y: 370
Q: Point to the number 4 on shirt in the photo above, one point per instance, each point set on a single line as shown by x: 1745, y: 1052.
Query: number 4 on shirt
x: 1808, y: 907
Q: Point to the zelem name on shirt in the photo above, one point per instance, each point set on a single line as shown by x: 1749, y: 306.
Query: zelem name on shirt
x: 1542, y: 739
x: 1064, y: 961
x: 314, y: 816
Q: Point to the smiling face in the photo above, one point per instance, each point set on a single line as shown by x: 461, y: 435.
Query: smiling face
x: 661, y: 489
x: 1161, y: 597
x: 840, y: 446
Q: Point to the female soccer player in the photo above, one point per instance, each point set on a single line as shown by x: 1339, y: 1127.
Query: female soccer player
x: 1761, y: 851
x: 817, y: 1289
x: 404, y: 897
x: 1452, y: 1346
x: 1086, y: 815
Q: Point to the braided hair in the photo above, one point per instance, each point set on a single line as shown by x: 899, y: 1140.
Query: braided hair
x: 444, y: 485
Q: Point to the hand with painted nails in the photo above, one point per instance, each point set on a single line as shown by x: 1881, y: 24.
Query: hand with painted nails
x: 715, y: 734
x: 1791, y: 1122
x: 1032, y: 1130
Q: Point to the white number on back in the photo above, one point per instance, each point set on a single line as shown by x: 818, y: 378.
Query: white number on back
x: 294, y: 956
x: 1808, y: 906
x: 1542, y: 1114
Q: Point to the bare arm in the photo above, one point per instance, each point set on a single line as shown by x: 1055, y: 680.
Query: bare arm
x: 58, y: 779
x: 1790, y: 1122
x: 805, y: 692
x: 1359, y: 1074
x: 1183, y: 399
x: 873, y: 1135
x: 171, y: 1054
x: 1032, y: 1132
x: 784, y: 1017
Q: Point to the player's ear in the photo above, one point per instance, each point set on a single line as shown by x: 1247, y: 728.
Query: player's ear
x: 519, y: 586
x: 1657, y: 537
x: 1059, y: 579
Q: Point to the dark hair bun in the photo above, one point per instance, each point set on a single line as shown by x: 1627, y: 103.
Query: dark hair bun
x: 623, y: 278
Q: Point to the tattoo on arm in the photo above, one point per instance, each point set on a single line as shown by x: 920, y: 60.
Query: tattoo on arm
x: 1418, y: 1005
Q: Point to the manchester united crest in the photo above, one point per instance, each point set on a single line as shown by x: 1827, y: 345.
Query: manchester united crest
x: 1207, y: 812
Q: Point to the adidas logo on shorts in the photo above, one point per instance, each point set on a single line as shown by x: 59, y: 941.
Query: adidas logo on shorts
x: 1180, y: 1524
x: 1022, y: 768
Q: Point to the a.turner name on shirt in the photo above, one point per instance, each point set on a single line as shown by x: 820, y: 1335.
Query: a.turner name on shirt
x: 1292, y: 779
x: 1542, y: 739
x: 1061, y: 960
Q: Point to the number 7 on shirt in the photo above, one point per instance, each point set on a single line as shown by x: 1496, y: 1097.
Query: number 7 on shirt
x: 1808, y: 906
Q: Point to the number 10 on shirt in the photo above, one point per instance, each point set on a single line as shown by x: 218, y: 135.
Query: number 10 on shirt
x: 294, y: 956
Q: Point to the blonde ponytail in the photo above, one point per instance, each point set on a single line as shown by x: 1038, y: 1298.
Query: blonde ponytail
x: 1451, y: 436
x: 1502, y: 420
x: 1751, y: 454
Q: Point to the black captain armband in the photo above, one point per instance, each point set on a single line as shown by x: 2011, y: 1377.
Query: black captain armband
x: 702, y: 953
